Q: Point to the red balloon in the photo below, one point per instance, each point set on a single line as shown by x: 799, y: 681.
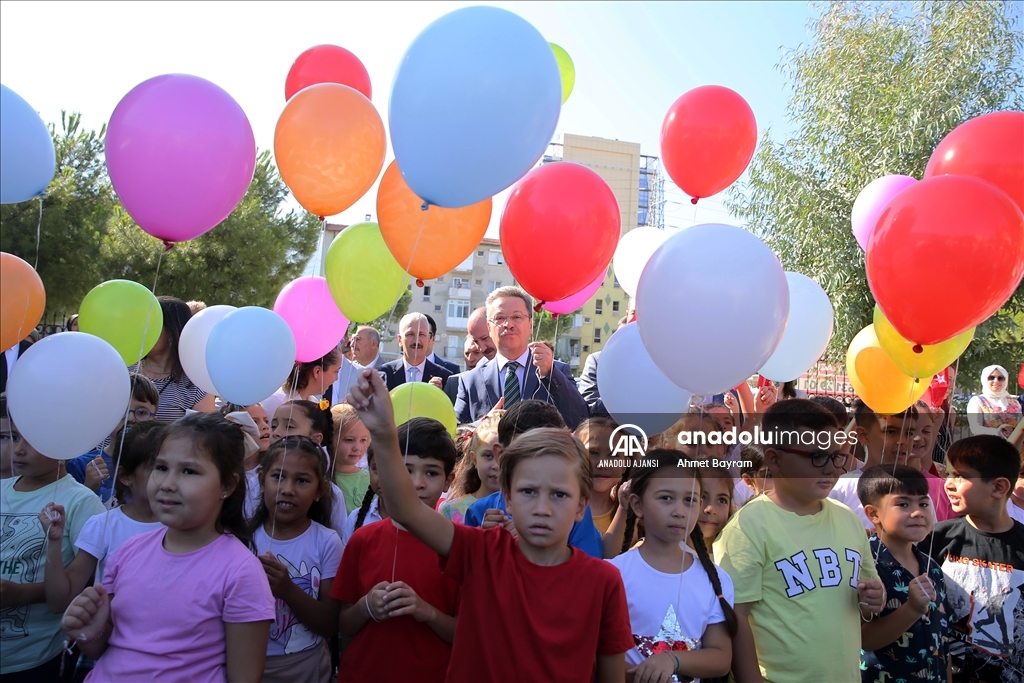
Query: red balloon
x: 327, y: 64
x: 554, y: 207
x: 707, y: 140
x: 990, y: 147
x: 971, y: 230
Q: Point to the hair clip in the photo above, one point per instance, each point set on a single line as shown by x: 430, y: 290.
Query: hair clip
x: 324, y: 404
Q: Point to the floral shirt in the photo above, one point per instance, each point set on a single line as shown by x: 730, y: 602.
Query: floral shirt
x: 455, y: 510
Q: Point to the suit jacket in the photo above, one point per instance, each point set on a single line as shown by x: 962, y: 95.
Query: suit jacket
x: 446, y: 364
x: 23, y: 346
x: 480, y: 389
x: 588, y: 380
x: 394, y: 373
x: 451, y: 386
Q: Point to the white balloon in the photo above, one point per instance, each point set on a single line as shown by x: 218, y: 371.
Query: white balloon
x: 808, y: 330
x: 633, y: 252
x: 192, y: 345
x: 633, y: 389
x: 68, y: 366
x: 712, y: 306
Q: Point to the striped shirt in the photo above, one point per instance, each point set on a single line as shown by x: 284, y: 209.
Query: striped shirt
x: 175, y: 397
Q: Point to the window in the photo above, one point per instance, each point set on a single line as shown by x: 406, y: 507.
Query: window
x: 598, y: 307
x: 493, y: 285
x: 616, y: 283
x: 615, y: 307
x: 480, y: 253
x: 586, y: 348
x: 586, y: 320
x: 495, y: 258
x: 479, y: 282
x: 597, y: 335
x: 437, y: 307
x: 426, y: 293
x: 454, y: 345
x: 458, y: 308
x: 440, y: 279
x: 458, y: 282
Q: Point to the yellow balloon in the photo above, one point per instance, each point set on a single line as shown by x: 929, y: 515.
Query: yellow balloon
x: 566, y: 69
x: 363, y: 276
x: 419, y: 399
x: 877, y: 379
x: 932, y: 359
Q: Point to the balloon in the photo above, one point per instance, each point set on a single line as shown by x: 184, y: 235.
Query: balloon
x: 181, y: 155
x: 474, y: 105
x: 966, y: 227
x: 634, y: 390
x: 633, y: 252
x: 707, y: 332
x: 419, y: 399
x: 329, y: 145
x: 327, y: 64
x: 930, y: 360
x: 427, y: 243
x: 22, y: 300
x: 316, y: 323
x: 876, y: 378
x: 192, y: 345
x: 707, y: 140
x: 808, y: 330
x: 576, y: 301
x: 554, y: 206
x: 364, y: 278
x: 566, y: 69
x: 870, y: 202
x: 27, y: 158
x: 990, y: 147
x: 250, y: 354
x: 62, y: 365
x: 124, y: 314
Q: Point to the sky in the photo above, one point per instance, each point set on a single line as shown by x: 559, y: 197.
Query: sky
x: 632, y: 60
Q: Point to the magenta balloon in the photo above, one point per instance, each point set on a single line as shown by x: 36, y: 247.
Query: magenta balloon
x: 870, y: 202
x: 181, y: 155
x: 307, y: 306
x: 572, y: 303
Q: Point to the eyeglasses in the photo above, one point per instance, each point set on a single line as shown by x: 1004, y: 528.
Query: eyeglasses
x: 995, y: 378
x: 502, y: 320
x: 142, y: 414
x: 818, y: 458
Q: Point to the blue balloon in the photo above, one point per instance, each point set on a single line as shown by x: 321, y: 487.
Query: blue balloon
x: 250, y: 354
x: 473, y: 106
x: 27, y: 158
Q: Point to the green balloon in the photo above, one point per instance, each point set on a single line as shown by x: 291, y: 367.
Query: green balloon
x: 419, y: 399
x: 364, y: 278
x: 566, y: 69
x: 124, y: 314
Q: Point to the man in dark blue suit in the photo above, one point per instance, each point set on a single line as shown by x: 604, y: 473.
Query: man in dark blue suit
x: 520, y: 369
x: 413, y: 366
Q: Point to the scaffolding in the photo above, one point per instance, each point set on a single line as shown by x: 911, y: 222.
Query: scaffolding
x: 651, y: 209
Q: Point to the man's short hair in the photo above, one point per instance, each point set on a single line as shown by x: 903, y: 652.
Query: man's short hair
x: 433, y: 325
x: 373, y: 333
x: 409, y: 318
x: 509, y: 292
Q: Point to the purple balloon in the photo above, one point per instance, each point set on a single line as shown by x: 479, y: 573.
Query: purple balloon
x: 572, y: 303
x: 181, y: 155
x: 870, y: 202
x: 307, y: 306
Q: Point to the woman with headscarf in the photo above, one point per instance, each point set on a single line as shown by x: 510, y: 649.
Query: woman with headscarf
x: 993, y: 411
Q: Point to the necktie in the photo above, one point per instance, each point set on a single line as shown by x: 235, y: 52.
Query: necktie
x: 414, y: 374
x: 511, y: 384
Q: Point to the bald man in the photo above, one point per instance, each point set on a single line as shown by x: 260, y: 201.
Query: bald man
x: 481, y: 333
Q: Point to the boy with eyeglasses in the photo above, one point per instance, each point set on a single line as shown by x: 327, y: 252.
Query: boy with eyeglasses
x: 93, y: 469
x: 800, y: 562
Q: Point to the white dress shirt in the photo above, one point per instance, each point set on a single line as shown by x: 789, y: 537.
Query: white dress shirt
x: 419, y: 368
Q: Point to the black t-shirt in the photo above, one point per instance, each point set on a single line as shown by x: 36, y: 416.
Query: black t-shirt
x: 985, y: 588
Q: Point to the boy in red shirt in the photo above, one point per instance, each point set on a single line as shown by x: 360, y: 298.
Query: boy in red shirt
x: 533, y: 609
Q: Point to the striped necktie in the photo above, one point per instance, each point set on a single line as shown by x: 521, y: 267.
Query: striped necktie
x: 511, y: 384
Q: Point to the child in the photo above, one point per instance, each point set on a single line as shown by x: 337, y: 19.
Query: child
x: 755, y: 477
x: 532, y: 608
x: 595, y: 434
x: 308, y: 381
x: 799, y: 560
x: 30, y: 640
x: 476, y: 475
x: 349, y: 449
x: 390, y: 586
x: 680, y: 610
x: 921, y: 459
x: 188, y: 602
x: 372, y: 508
x: 716, y: 503
x: 982, y: 558
x: 300, y: 555
x: 915, y: 620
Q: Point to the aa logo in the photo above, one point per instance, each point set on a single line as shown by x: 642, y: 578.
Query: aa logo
x: 628, y: 441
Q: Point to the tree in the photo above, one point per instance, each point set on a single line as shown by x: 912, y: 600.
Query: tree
x: 872, y: 93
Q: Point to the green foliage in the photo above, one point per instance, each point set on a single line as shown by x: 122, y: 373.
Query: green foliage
x: 872, y: 93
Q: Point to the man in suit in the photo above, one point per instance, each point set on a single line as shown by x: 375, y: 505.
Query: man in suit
x: 588, y: 380
x: 413, y: 366
x: 520, y: 369
x: 446, y: 364
x: 10, y: 357
x: 481, y: 334
x: 366, y: 348
x: 471, y: 352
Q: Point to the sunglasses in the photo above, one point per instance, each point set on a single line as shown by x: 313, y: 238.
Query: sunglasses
x: 818, y: 458
x: 995, y: 378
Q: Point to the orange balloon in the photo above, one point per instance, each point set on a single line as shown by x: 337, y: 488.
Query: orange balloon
x: 877, y: 379
x: 447, y: 237
x: 329, y: 145
x: 22, y: 300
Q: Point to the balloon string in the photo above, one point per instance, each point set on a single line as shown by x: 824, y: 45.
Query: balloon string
x: 415, y: 245
x: 39, y: 230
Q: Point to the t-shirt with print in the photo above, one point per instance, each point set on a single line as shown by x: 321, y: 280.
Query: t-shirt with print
x: 669, y: 611
x: 920, y: 654
x: 310, y: 557
x: 30, y: 634
x: 455, y: 508
x: 103, y: 534
x: 800, y: 573
x: 985, y: 586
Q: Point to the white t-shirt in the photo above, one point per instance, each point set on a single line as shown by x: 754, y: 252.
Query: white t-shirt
x: 103, y: 534
x: 845, y: 491
x: 669, y: 608
x: 310, y: 557
x: 254, y: 493
x: 1015, y: 512
x: 372, y: 515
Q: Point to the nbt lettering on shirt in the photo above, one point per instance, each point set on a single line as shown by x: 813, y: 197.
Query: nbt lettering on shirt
x: 799, y: 578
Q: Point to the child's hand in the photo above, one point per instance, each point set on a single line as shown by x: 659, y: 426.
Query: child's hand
x: 493, y: 517
x: 87, y: 615
x: 871, y: 595
x: 369, y: 396
x: 621, y: 494
x: 52, y: 518
x: 922, y: 593
x: 765, y: 398
x: 657, y: 668
x: 277, y: 574
x: 375, y: 601
x: 401, y: 600
x: 96, y: 473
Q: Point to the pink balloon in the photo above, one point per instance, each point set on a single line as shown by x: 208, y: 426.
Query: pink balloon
x: 870, y: 202
x: 181, y: 155
x: 572, y: 303
x: 307, y: 306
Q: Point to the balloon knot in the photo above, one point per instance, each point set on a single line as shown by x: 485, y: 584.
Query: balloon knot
x: 419, y: 282
x: 918, y: 348
x: 425, y: 206
x: 321, y: 219
x: 537, y: 307
x: 168, y: 245
x: 693, y: 201
x: 554, y: 316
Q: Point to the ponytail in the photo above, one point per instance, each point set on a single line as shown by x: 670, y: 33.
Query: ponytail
x: 697, y: 539
x: 364, y: 507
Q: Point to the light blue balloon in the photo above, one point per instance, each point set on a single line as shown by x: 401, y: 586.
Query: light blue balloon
x: 27, y: 158
x: 473, y: 106
x: 250, y: 354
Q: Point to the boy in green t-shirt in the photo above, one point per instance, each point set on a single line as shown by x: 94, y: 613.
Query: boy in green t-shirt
x: 801, y: 563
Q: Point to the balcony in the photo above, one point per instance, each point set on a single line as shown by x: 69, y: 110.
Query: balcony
x: 454, y: 323
x: 461, y: 292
